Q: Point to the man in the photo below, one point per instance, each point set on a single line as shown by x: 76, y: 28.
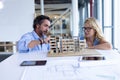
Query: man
x: 36, y: 40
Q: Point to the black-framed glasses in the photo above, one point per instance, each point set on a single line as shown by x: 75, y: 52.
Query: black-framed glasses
x: 86, y: 28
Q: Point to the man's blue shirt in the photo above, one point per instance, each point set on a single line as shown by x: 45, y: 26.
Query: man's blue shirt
x: 22, y: 45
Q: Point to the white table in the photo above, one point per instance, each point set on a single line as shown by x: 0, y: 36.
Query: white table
x: 61, y: 68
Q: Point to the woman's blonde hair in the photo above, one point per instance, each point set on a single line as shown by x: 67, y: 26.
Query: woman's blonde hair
x: 95, y: 25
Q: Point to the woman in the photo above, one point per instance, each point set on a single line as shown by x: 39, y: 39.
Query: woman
x: 94, y: 36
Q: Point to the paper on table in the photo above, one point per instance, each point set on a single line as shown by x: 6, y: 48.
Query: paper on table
x: 68, y: 72
x: 97, y: 63
x: 37, y: 73
x: 96, y: 73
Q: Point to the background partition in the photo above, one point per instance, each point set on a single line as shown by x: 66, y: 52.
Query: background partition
x: 16, y: 18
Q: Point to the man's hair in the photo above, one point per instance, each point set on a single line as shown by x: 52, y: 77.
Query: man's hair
x: 39, y: 20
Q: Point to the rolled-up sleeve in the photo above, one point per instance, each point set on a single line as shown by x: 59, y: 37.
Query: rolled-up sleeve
x: 22, y: 45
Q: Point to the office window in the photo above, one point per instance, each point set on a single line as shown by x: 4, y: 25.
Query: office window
x: 107, y: 13
x: 117, y: 23
x: 108, y: 19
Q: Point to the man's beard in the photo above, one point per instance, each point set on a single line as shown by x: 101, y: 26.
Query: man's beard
x: 45, y: 32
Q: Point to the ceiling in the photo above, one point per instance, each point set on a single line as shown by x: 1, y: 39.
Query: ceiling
x: 56, y: 7
x: 53, y: 7
x: 53, y: 1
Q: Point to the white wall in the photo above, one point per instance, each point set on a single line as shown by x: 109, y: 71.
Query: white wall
x: 16, y: 18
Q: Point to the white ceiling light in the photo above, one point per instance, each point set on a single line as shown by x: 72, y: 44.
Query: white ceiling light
x: 1, y: 4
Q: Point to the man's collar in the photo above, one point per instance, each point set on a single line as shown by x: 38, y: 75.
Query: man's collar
x: 35, y: 34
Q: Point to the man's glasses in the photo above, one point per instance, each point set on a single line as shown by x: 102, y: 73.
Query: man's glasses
x: 86, y: 28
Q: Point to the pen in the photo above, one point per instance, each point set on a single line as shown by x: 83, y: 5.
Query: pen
x: 107, y: 76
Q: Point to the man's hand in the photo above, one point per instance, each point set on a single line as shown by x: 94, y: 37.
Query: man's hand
x: 33, y: 43
x: 47, y: 40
